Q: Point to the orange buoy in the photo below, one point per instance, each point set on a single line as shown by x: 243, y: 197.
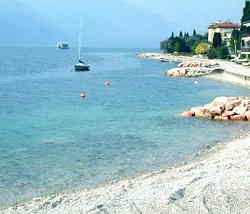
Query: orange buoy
x: 107, y: 83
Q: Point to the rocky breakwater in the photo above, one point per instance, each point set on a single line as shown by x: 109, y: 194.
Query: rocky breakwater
x: 164, y: 57
x: 194, y: 69
x: 223, y: 108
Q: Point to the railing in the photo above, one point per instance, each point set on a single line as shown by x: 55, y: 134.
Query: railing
x: 245, y: 34
x: 245, y: 49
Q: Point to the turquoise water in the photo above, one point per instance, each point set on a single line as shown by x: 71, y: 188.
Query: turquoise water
x: 51, y: 140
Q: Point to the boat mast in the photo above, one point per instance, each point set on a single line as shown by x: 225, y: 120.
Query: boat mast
x: 80, y: 40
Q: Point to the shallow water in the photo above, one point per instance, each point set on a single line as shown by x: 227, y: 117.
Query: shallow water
x: 52, y: 140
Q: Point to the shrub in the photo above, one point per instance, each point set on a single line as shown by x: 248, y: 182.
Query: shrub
x: 219, y: 53
x: 202, y: 48
x: 222, y: 52
x: 212, y: 53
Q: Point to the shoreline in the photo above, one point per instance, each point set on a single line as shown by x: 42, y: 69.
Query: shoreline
x: 178, y: 189
x: 233, y: 73
x: 190, y: 187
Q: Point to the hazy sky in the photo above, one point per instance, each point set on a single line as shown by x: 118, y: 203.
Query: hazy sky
x: 111, y: 23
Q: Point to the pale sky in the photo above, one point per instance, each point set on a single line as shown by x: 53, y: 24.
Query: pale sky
x: 112, y: 23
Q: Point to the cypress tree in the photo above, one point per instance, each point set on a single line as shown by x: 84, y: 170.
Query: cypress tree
x: 172, y: 35
x: 186, y: 35
x: 245, y: 31
x: 246, y: 12
x: 217, y: 41
x: 181, y: 34
x: 194, y: 33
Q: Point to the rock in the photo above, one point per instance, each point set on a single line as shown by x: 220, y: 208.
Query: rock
x: 202, y: 112
x: 238, y: 117
x: 220, y: 101
x: 223, y: 108
x: 229, y: 107
x: 247, y: 115
x: 228, y: 113
x: 216, y: 110
x: 179, y: 194
x: 220, y: 118
x: 188, y: 114
x: 240, y: 110
x: 186, y: 71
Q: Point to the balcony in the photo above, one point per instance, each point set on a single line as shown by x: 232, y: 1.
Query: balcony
x: 245, y: 49
x: 245, y: 34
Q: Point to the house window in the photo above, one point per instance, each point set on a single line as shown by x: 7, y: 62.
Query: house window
x: 248, y: 43
x: 243, y: 43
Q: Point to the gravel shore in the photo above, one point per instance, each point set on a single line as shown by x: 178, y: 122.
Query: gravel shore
x: 217, y: 183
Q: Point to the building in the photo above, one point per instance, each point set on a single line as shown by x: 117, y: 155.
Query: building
x: 225, y: 28
x: 245, y: 31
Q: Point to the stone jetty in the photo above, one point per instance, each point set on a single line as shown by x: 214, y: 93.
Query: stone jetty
x: 223, y: 108
x: 165, y: 57
x: 194, y: 69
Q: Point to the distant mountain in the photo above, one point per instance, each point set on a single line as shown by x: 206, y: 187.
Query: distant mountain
x: 20, y: 25
x: 110, y: 23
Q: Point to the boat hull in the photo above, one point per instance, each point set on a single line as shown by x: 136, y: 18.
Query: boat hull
x: 80, y: 68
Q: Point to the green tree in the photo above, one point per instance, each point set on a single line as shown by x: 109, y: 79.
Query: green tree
x: 179, y: 45
x: 235, y: 42
x: 222, y: 52
x: 194, y: 33
x: 202, y: 48
x: 245, y: 30
x: 212, y: 53
x: 217, y: 41
x: 185, y: 44
x: 181, y: 34
x: 246, y: 13
x: 172, y: 35
x: 219, y: 53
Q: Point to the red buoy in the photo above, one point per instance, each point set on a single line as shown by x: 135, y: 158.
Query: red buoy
x: 107, y: 83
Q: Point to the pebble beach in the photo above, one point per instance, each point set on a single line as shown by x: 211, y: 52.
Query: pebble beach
x: 217, y: 183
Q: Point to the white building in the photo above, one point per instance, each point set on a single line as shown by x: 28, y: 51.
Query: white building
x: 225, y: 28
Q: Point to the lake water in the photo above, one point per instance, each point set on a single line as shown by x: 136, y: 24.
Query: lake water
x: 52, y: 140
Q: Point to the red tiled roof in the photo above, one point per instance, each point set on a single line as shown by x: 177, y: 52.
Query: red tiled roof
x: 224, y: 25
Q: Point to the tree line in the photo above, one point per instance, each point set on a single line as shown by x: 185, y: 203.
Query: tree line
x: 183, y: 43
x: 198, y: 44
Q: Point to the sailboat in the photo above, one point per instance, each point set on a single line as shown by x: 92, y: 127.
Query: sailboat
x: 81, y: 65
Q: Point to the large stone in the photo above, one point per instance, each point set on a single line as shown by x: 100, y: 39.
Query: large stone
x: 228, y: 114
x: 229, y: 106
x: 247, y: 115
x: 182, y: 72
x: 240, y: 110
x: 220, y: 118
x: 188, y: 114
x: 220, y: 101
x: 216, y: 110
x: 202, y: 112
x: 238, y: 117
